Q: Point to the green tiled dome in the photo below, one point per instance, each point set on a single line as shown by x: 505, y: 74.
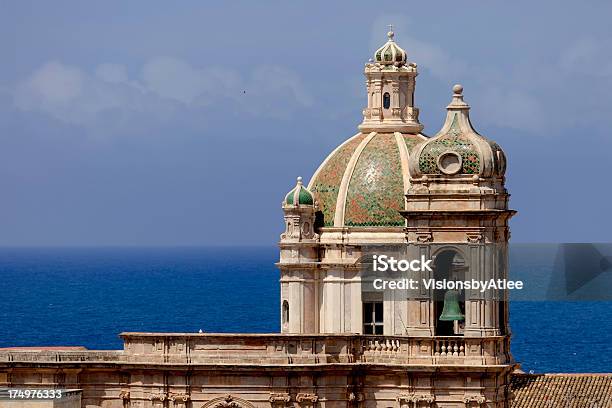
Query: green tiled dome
x: 458, y: 149
x: 362, y: 183
x: 299, y: 195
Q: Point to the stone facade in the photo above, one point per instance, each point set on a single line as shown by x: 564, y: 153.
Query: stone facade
x: 278, y: 370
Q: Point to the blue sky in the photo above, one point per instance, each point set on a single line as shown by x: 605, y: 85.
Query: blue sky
x: 185, y: 123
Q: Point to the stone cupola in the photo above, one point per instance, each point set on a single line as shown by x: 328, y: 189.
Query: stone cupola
x: 390, y: 53
x: 299, y: 208
x: 390, y: 81
x: 459, y: 159
x: 457, y: 149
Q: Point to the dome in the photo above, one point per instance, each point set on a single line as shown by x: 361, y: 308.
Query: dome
x: 299, y: 195
x: 363, y: 181
x: 390, y: 53
x: 457, y: 148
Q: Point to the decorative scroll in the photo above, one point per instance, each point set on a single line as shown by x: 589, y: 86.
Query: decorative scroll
x: 415, y: 400
x: 279, y: 399
x: 158, y: 399
x: 306, y: 400
x: 179, y: 400
x: 473, y: 400
x: 424, y: 236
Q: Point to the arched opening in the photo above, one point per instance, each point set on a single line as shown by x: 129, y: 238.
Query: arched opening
x: 386, y: 100
x: 285, y: 313
x: 319, y: 220
x: 449, y: 305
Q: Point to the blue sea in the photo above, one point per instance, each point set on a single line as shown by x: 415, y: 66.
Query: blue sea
x: 87, y: 296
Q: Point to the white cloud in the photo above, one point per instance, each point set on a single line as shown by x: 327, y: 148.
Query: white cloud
x: 279, y: 81
x: 174, y: 79
x: 71, y: 95
x: 53, y: 83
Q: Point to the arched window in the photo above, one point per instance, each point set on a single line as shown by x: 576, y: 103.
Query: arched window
x: 285, y: 317
x: 449, y: 265
x: 386, y: 100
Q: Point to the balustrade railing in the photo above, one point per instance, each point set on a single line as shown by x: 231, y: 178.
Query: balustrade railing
x: 453, y: 347
x: 382, y: 345
x: 296, y: 349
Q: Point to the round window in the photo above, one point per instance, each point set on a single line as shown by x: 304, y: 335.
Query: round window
x: 449, y: 163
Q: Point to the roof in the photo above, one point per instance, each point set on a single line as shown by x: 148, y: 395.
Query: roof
x: 390, y: 52
x: 362, y: 183
x: 44, y: 348
x: 562, y: 390
x: 457, y: 148
x: 299, y: 195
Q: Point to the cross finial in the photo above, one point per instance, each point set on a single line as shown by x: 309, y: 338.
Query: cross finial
x: 390, y: 34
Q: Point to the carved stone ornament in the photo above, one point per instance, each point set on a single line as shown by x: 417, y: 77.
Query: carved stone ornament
x: 228, y: 402
x: 424, y: 398
x: 405, y: 399
x: 473, y: 400
x: 179, y: 398
x: 474, y: 237
x: 306, y: 399
x: 424, y: 236
x: 279, y: 399
x: 158, y: 397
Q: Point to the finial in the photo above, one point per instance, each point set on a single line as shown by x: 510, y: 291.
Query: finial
x: 458, y: 101
x: 299, y: 180
x: 390, y: 34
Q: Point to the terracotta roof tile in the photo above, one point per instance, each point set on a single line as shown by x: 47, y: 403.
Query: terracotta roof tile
x: 562, y: 390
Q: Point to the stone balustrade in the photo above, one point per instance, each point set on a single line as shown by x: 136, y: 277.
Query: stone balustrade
x: 436, y: 350
x: 285, y: 349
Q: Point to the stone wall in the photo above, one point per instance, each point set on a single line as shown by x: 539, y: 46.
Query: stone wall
x: 272, y: 371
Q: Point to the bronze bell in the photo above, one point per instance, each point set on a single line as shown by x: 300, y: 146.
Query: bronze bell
x: 451, y: 310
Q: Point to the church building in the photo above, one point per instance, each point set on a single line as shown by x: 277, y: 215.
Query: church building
x: 343, y: 343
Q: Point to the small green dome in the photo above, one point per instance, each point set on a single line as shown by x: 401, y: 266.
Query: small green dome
x: 390, y: 53
x: 299, y: 195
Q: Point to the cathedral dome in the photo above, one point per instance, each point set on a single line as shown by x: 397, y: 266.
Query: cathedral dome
x: 363, y: 181
x: 299, y: 195
x: 390, y: 53
x: 457, y: 148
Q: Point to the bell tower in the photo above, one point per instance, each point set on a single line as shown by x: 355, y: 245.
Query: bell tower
x: 457, y: 214
x: 390, y: 82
